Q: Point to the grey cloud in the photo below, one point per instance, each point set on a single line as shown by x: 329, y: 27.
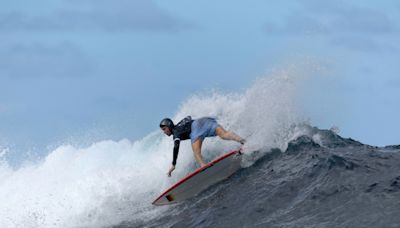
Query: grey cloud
x: 297, y: 25
x: 331, y: 18
x: 123, y: 15
x: 37, y: 60
x: 366, y: 21
x: 340, y: 24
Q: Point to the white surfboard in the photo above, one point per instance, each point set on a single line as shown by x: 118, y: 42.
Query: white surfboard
x: 215, y: 171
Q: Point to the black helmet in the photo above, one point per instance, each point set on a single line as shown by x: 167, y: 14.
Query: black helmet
x: 167, y: 122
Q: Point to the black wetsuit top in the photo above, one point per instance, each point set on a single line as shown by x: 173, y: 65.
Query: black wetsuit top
x: 181, y: 131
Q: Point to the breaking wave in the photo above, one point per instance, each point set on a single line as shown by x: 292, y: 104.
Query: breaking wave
x: 288, y: 165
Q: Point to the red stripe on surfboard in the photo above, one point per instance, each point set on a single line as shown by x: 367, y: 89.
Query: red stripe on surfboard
x: 211, y: 163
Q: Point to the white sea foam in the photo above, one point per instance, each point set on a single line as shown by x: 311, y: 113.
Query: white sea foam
x: 110, y: 182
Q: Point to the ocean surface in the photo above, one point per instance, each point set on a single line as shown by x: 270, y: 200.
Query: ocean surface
x: 292, y: 175
x: 329, y: 182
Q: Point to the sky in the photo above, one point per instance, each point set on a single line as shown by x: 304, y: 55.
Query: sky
x: 96, y: 69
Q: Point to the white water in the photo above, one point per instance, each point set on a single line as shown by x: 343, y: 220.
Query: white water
x: 114, y: 181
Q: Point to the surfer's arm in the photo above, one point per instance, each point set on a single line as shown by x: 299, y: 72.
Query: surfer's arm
x: 175, y: 156
x: 176, y: 151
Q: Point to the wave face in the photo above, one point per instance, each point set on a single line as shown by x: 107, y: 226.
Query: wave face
x: 320, y: 180
x: 293, y: 174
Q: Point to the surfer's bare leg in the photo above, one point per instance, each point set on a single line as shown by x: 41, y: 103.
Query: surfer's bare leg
x: 196, y: 146
x: 227, y: 135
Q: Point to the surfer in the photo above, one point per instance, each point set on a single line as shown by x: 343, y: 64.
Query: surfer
x: 196, y: 130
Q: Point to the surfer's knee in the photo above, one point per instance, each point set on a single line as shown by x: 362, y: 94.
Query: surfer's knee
x: 196, y: 145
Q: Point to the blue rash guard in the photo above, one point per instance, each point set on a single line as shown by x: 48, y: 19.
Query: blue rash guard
x: 192, y: 129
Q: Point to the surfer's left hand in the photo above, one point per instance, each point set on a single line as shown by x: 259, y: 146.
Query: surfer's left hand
x: 170, y: 170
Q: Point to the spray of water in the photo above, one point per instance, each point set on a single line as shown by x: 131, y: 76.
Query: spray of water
x: 110, y: 182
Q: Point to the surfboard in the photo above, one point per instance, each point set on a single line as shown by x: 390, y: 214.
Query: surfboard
x: 197, y: 181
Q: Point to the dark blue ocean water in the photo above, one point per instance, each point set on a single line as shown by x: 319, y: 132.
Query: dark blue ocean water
x: 336, y: 182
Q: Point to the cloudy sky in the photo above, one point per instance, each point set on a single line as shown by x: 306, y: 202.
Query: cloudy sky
x: 97, y: 68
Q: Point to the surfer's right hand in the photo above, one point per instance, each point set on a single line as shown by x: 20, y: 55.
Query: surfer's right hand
x: 170, y: 170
